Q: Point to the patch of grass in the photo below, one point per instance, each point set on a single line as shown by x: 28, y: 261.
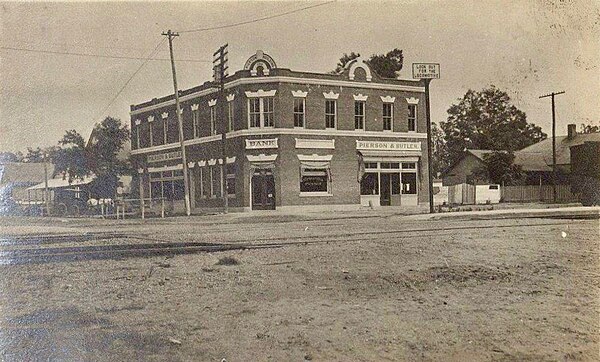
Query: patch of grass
x: 227, y: 260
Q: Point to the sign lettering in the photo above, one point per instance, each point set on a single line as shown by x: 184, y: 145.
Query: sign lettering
x: 164, y: 156
x: 261, y: 143
x: 426, y: 70
x: 388, y: 146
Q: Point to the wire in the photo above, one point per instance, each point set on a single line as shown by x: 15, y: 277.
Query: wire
x: 101, y: 55
x: 147, y: 59
x: 254, y: 20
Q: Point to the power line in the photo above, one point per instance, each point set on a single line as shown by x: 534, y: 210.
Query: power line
x: 100, y: 55
x: 254, y: 20
x: 147, y: 59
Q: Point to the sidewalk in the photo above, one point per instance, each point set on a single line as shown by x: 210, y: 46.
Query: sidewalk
x: 553, y: 212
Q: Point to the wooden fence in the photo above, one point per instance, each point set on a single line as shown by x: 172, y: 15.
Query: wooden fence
x: 538, y: 193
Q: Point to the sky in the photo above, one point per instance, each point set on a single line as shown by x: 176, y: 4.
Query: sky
x: 527, y: 48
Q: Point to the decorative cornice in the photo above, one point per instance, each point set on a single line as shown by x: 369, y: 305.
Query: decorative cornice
x: 261, y: 93
x: 230, y: 159
x: 262, y: 158
x: 195, y: 107
x: 315, y: 157
x: 212, y: 102
x: 331, y: 95
x: 138, y: 122
x: 387, y: 99
x: 202, y: 163
x: 359, y: 63
x: 150, y: 118
x: 165, y: 115
x: 299, y: 94
x: 412, y: 100
x: 360, y: 97
x: 212, y: 162
x: 230, y: 97
x: 191, y: 164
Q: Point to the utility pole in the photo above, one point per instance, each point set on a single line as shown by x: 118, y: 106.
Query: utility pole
x: 186, y: 181
x: 220, y: 72
x: 426, y: 72
x: 553, y: 143
x: 429, y: 146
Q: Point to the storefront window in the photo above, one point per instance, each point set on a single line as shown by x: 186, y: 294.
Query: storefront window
x: 231, y: 179
x: 314, y: 180
x: 409, y: 183
x: 369, y: 185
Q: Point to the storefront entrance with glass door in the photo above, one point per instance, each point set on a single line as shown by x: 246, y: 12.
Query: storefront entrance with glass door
x: 389, y: 184
x: 263, y: 189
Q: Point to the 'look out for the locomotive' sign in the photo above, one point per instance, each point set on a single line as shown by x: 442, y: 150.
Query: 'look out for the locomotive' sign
x: 426, y: 70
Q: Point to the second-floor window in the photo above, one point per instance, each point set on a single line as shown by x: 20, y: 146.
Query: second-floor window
x: 230, y: 114
x: 298, y: 112
x: 359, y: 115
x: 260, y: 112
x: 165, y: 130
x: 151, y: 134
x: 388, y: 116
x: 330, y: 112
x: 213, y: 120
x: 196, y: 123
x: 412, y: 117
x: 137, y: 136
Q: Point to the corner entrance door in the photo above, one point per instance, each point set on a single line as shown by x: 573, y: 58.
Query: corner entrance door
x: 385, y: 190
x: 263, y: 190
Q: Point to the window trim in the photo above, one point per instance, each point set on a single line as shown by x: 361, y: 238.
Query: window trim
x: 391, y: 116
x: 303, y: 113
x: 364, y: 112
x: 409, y: 118
x: 213, y: 120
x: 334, y: 114
x: 261, y: 112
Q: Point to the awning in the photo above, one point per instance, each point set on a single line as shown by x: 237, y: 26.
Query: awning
x: 56, y: 183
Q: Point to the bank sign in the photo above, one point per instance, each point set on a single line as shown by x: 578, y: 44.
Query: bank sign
x: 426, y: 70
x: 164, y: 156
x: 261, y: 143
x: 388, y: 146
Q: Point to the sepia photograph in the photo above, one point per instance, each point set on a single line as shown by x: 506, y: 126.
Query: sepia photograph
x: 346, y: 180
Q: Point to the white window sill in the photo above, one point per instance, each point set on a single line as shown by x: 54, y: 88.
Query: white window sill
x: 315, y: 194
x: 296, y: 127
x: 412, y: 132
x: 388, y: 131
x: 330, y: 129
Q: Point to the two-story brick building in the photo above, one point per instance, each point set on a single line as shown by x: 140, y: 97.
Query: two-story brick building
x: 293, y: 140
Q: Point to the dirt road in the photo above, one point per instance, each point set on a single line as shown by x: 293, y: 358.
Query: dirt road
x: 356, y: 289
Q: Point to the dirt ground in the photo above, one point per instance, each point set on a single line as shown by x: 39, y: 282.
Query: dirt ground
x: 354, y: 289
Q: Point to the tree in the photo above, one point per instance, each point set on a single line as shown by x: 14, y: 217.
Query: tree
x: 589, y: 128
x: 6, y: 157
x: 385, y: 66
x: 499, y: 168
x: 106, y: 140
x: 439, y: 159
x: 70, y: 159
x: 36, y: 155
x: 487, y: 120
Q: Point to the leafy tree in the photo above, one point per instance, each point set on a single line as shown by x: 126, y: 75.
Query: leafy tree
x: 106, y: 140
x: 487, y: 120
x: 386, y: 65
x: 439, y: 161
x: 499, y: 168
x: 10, y: 157
x: 589, y: 128
x: 36, y: 155
x: 70, y: 159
